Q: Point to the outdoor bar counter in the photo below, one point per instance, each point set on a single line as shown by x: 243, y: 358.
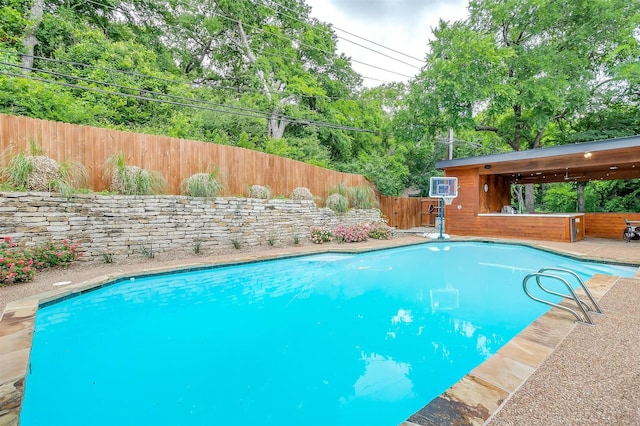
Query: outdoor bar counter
x: 567, y: 227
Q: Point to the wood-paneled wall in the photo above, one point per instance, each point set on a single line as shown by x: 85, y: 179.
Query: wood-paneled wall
x: 607, y: 225
x: 175, y: 159
x: 464, y: 216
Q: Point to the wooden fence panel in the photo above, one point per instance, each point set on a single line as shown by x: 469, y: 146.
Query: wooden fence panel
x: 407, y: 212
x: 175, y: 159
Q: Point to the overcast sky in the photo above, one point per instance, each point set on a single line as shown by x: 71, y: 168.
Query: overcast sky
x: 403, y: 25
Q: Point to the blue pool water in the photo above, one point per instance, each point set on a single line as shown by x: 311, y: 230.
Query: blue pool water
x: 329, y: 339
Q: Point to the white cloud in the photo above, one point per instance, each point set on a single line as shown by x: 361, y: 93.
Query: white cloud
x: 402, y: 25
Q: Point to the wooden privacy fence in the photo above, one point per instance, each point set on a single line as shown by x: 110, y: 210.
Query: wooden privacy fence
x: 405, y: 213
x: 175, y: 159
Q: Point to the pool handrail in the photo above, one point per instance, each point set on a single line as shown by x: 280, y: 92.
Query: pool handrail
x: 596, y: 308
x: 586, y: 319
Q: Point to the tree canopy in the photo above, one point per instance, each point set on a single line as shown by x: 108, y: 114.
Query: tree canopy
x: 266, y: 75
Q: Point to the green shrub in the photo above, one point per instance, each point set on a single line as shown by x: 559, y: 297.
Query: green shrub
x: 43, y: 174
x: 133, y: 180
x: 301, y: 193
x: 380, y: 231
x: 20, y: 263
x: 351, y: 233
x: 363, y: 197
x: 340, y: 188
x: 259, y: 191
x: 321, y: 235
x: 18, y: 170
x: 337, y: 202
x: 201, y: 185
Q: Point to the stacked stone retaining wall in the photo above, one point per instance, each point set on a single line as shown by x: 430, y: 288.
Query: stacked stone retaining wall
x: 123, y: 226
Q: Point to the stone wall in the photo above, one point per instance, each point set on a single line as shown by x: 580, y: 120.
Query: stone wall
x: 122, y: 226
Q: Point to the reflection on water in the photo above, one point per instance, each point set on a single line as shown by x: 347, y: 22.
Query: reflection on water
x: 383, y: 379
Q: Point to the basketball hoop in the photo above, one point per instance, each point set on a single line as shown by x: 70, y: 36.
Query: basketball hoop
x: 445, y: 188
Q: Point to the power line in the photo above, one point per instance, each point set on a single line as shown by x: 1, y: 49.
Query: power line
x: 359, y: 37
x: 231, y: 109
x: 288, y: 38
x: 310, y: 46
x: 181, y: 82
x: 380, y: 45
x: 342, y: 38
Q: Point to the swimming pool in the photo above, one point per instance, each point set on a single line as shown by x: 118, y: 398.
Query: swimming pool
x: 332, y: 339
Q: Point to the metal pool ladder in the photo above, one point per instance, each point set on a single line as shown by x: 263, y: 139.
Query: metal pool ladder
x: 585, y: 308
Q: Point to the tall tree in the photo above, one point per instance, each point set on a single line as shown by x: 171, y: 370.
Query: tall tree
x: 271, y: 48
x: 516, y: 66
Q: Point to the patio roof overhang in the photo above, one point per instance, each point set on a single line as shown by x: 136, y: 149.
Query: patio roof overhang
x: 601, y: 160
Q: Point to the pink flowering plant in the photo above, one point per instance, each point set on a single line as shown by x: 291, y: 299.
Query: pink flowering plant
x: 352, y: 233
x: 380, y: 231
x: 54, y: 253
x: 321, y: 234
x: 19, y: 263
x: 15, y: 264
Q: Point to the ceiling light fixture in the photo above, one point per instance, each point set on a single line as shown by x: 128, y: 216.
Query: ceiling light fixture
x: 587, y: 155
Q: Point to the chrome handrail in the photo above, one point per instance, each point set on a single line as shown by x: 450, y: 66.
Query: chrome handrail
x: 596, y: 307
x: 586, y: 320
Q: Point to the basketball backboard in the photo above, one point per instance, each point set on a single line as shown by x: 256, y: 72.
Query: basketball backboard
x: 441, y: 187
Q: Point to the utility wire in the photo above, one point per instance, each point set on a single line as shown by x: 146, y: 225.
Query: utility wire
x: 288, y: 38
x: 230, y: 109
x: 341, y: 38
x: 359, y: 37
x: 308, y: 45
x: 181, y: 82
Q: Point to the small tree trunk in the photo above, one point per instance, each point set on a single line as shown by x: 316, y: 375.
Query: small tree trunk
x: 529, y: 198
x: 580, y: 191
x: 30, y: 41
x: 276, y: 127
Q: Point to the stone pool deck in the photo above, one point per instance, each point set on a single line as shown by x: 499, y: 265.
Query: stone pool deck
x: 554, y: 372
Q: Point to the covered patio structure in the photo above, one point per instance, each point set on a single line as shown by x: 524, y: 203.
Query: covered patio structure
x: 483, y: 206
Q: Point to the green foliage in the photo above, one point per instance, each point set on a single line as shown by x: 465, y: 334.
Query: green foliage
x: 337, y: 202
x: 17, y: 172
x: 236, y: 242
x: 389, y: 173
x: 321, y: 234
x: 612, y: 196
x: 380, y: 231
x: 197, y: 246
x: 132, y: 180
x: 514, y: 68
x: 560, y: 197
x: 15, y: 263
x: 12, y: 24
x: 259, y: 191
x: 20, y: 263
x: 148, y: 252
x: 201, y: 185
x: 363, y: 197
